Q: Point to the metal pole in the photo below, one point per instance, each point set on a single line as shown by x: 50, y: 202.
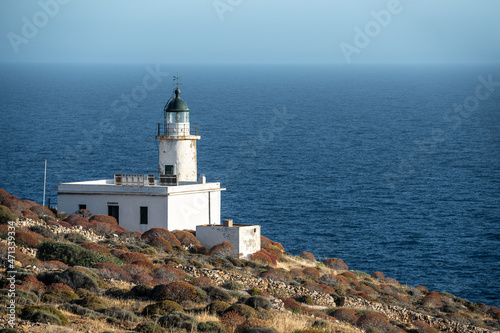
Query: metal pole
x: 44, y: 182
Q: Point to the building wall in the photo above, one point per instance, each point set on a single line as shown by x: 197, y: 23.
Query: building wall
x: 129, y: 208
x: 181, y: 153
x: 245, y: 239
x: 192, y: 210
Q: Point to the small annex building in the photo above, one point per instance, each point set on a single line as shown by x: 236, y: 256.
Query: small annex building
x: 177, y: 199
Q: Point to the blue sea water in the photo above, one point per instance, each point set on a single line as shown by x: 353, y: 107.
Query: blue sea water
x: 390, y: 168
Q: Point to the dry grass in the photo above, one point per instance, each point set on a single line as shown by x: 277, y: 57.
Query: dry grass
x: 206, y: 316
x: 286, y: 322
x: 133, y: 305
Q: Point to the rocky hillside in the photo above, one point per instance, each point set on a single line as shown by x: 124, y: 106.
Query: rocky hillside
x: 85, y: 273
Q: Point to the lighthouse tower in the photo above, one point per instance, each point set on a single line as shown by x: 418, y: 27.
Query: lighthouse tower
x: 177, y: 149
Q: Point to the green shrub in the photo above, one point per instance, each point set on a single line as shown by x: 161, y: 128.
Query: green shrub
x: 178, y: 320
x: 75, y: 278
x: 45, y: 232
x: 75, y: 237
x: 258, y: 302
x: 73, y: 255
x: 140, y: 291
x: 45, y: 314
x: 243, y: 310
x: 218, y: 294
x: 120, y: 314
x: 23, y: 297
x: 211, y: 327
x: 6, y: 215
x: 8, y: 330
x: 261, y: 330
x: 58, y: 296
x: 91, y: 302
x: 233, y: 285
x: 178, y: 291
x: 161, y: 308
x: 218, y: 307
x: 173, y: 261
x: 254, y: 291
x: 149, y: 328
x: 80, y: 310
x: 201, y: 294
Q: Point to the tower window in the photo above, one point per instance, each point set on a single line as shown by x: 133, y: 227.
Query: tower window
x: 144, y: 215
x: 169, y: 169
x: 81, y: 206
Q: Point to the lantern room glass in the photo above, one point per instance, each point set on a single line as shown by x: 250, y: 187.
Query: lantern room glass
x: 177, y: 117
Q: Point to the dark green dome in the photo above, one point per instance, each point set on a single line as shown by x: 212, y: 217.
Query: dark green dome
x: 176, y: 104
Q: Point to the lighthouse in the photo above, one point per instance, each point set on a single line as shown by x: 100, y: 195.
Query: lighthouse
x: 177, y: 149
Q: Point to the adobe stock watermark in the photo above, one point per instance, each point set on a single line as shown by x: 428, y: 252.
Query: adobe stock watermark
x: 372, y: 29
x: 223, y: 6
x: 453, y: 116
x: 120, y: 109
x: 31, y: 26
x: 11, y: 274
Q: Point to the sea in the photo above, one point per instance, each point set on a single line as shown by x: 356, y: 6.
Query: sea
x: 391, y: 168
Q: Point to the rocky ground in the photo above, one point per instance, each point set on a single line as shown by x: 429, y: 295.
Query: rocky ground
x: 84, y: 273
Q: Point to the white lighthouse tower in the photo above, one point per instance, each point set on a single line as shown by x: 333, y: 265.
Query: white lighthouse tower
x: 177, y: 149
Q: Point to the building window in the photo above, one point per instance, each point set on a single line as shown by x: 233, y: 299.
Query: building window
x: 169, y: 169
x: 114, y: 211
x: 144, y: 215
x: 81, y: 206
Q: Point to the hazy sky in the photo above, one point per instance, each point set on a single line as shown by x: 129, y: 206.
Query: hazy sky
x: 250, y: 31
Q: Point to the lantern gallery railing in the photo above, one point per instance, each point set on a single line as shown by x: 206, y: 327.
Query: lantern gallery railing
x: 176, y: 129
x: 145, y: 180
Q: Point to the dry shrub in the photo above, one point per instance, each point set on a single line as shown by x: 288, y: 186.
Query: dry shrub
x: 160, y: 243
x: 274, y: 251
x: 78, y: 220
x: 350, y: 276
x: 96, y: 248
x: 320, y: 288
x: 402, y: 299
x: 130, y: 257
x: 28, y: 214
x: 391, y: 281
x: 230, y: 320
x: 387, y: 289
x: 308, y: 256
x: 59, y: 287
x: 422, y: 289
x: 360, y: 294
x: 291, y: 304
x: 376, y: 320
x: 143, y: 279
x: 186, y: 238
x: 338, y: 282
x: 161, y: 232
x: 203, y: 282
x: 111, y: 271
x: 266, y: 242
x: 167, y: 273
x: 31, y: 283
x: 368, y: 290
x: 61, y: 223
x: 4, y: 194
x: 104, y: 219
x: 13, y: 202
x: 311, y: 273
x: 136, y: 269
x: 145, y: 263
x: 42, y: 210
x: 17, y: 213
x: 251, y: 323
x: 296, y: 273
x: 118, y: 252
x: 223, y: 249
x: 423, y: 327
x: 177, y: 291
x: 334, y: 263
x: 494, y: 312
x: 263, y: 258
x: 54, y: 265
x: 347, y: 315
x: 378, y: 275
x: 104, y: 229
x: 27, y: 239
x: 432, y: 300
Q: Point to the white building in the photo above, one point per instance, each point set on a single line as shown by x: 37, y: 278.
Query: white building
x: 177, y: 199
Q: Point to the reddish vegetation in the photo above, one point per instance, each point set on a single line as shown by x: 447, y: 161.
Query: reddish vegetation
x: 266, y: 242
x: 118, y: 252
x: 422, y: 289
x: 96, y: 248
x: 368, y: 290
x: 350, y: 276
x: 308, y: 256
x: 321, y: 288
x: 230, y: 320
x: 494, y: 312
x: 186, y: 238
x: 222, y: 250
x: 42, y: 210
x: 26, y: 239
x: 136, y: 269
x: 203, y: 282
x: 167, y: 273
x: 402, y: 299
x: 274, y: 252
x: 160, y: 243
x: 296, y: 272
x: 378, y: 275
x: 143, y: 278
x: 130, y: 257
x: 64, y: 224
x: 432, y: 300
x: 360, y: 294
x: 104, y: 219
x: 391, y: 281
x: 334, y: 280
x: 104, y: 229
x: 146, y: 263
x: 423, y: 327
x: 111, y: 271
x: 262, y: 257
x: 347, y: 315
x: 177, y: 291
x: 28, y: 214
x: 13, y: 202
x: 161, y: 232
x: 335, y: 263
x: 290, y: 304
x: 74, y: 219
x: 311, y: 273
x: 32, y: 283
x: 376, y: 320
x: 59, y: 287
x: 4, y: 194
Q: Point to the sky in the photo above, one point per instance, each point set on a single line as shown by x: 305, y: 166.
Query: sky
x: 250, y: 31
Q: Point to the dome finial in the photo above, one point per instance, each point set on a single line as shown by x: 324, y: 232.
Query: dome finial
x: 176, y: 79
x: 177, y: 92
